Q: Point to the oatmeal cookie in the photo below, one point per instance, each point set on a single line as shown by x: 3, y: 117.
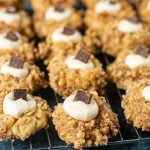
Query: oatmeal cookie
x: 130, y: 66
x: 15, y: 19
x: 45, y: 22
x: 23, y: 119
x: 103, y: 13
x: 68, y: 73
x: 12, y: 42
x: 15, y: 73
x: 63, y: 41
x: 136, y: 104
x: 123, y: 34
x: 96, y: 128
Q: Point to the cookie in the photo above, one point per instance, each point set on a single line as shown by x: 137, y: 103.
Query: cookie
x: 15, y: 19
x: 17, y: 73
x: 101, y: 13
x: 53, y: 17
x: 130, y: 66
x: 123, y: 34
x: 12, y: 42
x: 80, y: 70
x: 136, y: 104
x: 63, y: 41
x: 20, y: 118
x: 83, y: 124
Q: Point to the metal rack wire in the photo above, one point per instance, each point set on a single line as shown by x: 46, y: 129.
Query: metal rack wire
x: 48, y: 139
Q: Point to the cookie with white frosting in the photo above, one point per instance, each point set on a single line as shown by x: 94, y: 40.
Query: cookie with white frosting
x: 64, y: 40
x: 53, y: 17
x: 130, y: 66
x: 15, y: 19
x: 80, y: 70
x: 14, y: 43
x: 17, y: 73
x: 136, y: 104
x: 125, y: 33
x: 85, y: 119
x: 103, y: 12
x: 22, y: 115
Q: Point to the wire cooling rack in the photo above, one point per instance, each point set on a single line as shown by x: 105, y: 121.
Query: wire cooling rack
x: 48, y: 139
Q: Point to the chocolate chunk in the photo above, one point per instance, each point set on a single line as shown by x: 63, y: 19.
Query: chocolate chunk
x: 20, y: 93
x: 82, y: 56
x: 59, y: 9
x: 142, y: 50
x: 83, y: 96
x: 112, y: 2
x: 16, y: 62
x: 11, y: 36
x: 11, y: 10
x: 68, y: 30
x: 133, y: 19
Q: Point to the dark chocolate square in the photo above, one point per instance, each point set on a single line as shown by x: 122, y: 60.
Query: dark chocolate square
x: 82, y: 56
x: 83, y: 96
x: 59, y: 9
x: 11, y: 10
x: 11, y: 36
x: 142, y: 50
x: 68, y: 30
x: 16, y: 62
x: 112, y: 2
x: 20, y: 93
x: 133, y: 19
